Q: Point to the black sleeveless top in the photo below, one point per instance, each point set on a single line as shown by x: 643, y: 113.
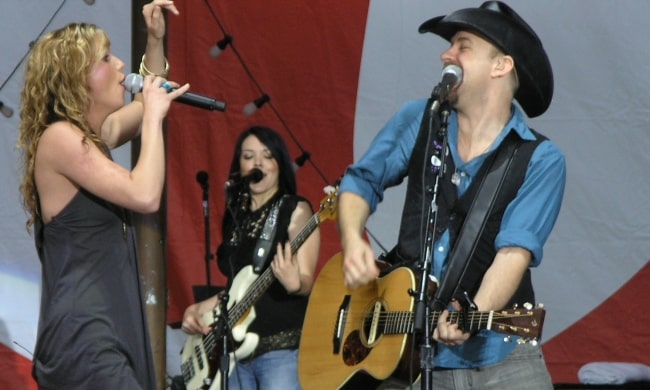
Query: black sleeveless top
x: 278, y: 315
x: 92, y: 331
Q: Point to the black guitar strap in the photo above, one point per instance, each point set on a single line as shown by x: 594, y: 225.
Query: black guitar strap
x: 475, y: 221
x: 265, y: 240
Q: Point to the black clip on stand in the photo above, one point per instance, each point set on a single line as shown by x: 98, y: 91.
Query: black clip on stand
x: 421, y: 324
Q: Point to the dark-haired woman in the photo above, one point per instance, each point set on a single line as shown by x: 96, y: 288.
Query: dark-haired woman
x: 280, y: 311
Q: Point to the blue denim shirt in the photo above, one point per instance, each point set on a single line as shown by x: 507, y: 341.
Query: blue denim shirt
x: 527, y: 222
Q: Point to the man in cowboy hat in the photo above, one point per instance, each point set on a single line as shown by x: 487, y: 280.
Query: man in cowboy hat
x: 450, y: 147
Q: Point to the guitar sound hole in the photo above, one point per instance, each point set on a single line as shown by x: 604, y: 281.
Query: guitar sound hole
x: 373, y: 326
x: 354, y: 351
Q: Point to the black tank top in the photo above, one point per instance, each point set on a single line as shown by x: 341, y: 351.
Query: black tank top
x: 278, y: 315
x: 92, y: 331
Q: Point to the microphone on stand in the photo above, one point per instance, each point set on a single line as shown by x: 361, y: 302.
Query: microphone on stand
x: 254, y: 176
x: 452, y: 76
x: 202, y: 179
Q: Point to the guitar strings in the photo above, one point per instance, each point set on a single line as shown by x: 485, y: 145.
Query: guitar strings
x: 398, y: 321
x: 260, y: 284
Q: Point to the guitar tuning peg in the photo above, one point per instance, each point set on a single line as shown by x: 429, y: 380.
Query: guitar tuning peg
x: 507, y: 339
x: 540, y: 305
x: 516, y: 305
x: 522, y: 340
x: 528, y: 306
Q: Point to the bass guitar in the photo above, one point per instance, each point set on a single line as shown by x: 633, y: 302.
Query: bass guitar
x: 200, y: 354
x: 367, y: 330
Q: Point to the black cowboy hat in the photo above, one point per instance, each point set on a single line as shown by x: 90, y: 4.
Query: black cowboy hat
x: 500, y: 25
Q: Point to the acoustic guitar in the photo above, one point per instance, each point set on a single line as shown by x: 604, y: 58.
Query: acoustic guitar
x: 367, y: 330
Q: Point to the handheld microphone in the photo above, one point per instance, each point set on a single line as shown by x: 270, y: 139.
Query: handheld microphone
x: 452, y: 76
x: 254, y: 176
x: 133, y: 84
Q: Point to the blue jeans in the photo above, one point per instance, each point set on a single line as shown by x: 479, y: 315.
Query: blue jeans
x: 275, y: 370
x: 523, y: 369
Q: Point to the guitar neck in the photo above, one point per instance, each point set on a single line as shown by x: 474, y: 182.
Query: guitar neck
x: 306, y: 231
x: 262, y: 283
x: 400, y: 322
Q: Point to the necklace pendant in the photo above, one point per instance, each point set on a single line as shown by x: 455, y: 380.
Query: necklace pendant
x: 455, y: 178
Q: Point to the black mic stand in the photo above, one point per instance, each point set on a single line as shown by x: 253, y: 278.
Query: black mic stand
x: 206, y: 223
x: 224, y: 331
x: 421, y: 324
x: 204, y: 292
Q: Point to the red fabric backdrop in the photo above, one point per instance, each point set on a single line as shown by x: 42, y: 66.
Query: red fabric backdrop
x: 616, y: 331
x: 16, y: 371
x: 306, y: 56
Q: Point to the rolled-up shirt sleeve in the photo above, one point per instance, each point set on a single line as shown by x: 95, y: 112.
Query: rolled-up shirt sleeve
x: 530, y: 217
x: 385, y: 163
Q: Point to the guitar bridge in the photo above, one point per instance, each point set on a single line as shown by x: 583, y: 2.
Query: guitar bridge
x: 339, y: 327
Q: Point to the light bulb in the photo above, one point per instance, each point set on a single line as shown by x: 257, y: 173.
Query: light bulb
x: 220, y: 46
x: 251, y: 107
x: 6, y: 110
x: 301, y: 160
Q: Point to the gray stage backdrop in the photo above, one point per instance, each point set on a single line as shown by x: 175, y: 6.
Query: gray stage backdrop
x: 599, y: 118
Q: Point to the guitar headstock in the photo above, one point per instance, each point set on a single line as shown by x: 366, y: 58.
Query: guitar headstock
x: 328, y: 205
x: 524, y: 322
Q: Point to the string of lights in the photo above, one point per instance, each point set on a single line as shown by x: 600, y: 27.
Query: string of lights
x: 5, y: 109
x: 253, y: 106
x: 263, y: 99
x: 227, y: 40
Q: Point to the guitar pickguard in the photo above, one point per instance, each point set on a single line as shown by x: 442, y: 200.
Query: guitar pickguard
x: 354, y: 350
x: 359, y: 343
